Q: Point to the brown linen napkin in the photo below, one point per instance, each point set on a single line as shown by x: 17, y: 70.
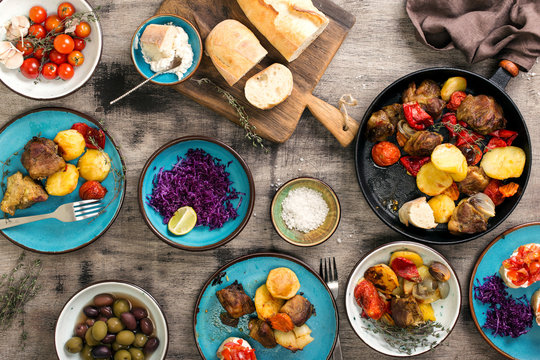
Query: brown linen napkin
x: 481, y: 29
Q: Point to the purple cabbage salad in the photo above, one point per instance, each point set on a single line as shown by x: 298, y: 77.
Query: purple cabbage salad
x: 506, y: 316
x: 200, y: 181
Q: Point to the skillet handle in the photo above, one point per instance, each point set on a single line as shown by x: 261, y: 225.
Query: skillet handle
x: 507, y: 70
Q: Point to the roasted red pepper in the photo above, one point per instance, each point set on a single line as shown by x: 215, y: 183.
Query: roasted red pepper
x: 92, y: 136
x: 416, y: 117
x: 468, y: 137
x: 455, y: 100
x: 413, y: 163
x: 368, y: 298
x: 450, y: 121
x: 507, y: 135
x: 406, y: 269
x: 492, y: 190
x: 495, y: 142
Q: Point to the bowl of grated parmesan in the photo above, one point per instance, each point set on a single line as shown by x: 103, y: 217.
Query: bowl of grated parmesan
x: 305, y: 211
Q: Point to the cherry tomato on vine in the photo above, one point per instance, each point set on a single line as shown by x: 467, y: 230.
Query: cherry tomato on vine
x: 30, y: 68
x: 65, y: 10
x: 37, y: 14
x: 37, y: 31
x: 39, y: 53
x: 49, y: 71
x: 64, y: 44
x: 65, y: 71
x: 83, y: 29
x: 25, y: 48
x: 80, y: 44
x: 76, y: 58
x: 53, y: 22
x: 57, y: 58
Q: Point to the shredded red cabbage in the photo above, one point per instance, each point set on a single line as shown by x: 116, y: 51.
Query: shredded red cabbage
x: 200, y: 181
x: 506, y: 316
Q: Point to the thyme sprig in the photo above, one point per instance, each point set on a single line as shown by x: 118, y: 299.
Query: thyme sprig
x: 459, y: 130
x: 243, y: 117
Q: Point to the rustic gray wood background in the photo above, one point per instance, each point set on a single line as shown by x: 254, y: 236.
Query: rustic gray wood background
x: 380, y: 48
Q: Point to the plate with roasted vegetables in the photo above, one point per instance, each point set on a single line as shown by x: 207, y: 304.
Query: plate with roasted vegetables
x: 57, y: 156
x: 403, y: 299
x: 443, y: 155
x: 504, y: 292
x: 265, y: 306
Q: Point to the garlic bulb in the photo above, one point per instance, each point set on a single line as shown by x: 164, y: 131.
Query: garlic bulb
x: 10, y: 56
x: 17, y: 27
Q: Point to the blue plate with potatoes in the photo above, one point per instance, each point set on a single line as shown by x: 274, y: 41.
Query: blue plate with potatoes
x: 52, y: 236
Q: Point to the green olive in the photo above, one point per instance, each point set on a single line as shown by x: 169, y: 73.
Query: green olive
x: 75, y: 345
x: 140, y: 340
x: 136, y: 354
x: 86, y: 353
x: 116, y: 346
x: 99, y: 330
x: 90, y: 339
x: 125, y: 337
x: 115, y: 325
x: 121, y: 306
x: 122, y: 355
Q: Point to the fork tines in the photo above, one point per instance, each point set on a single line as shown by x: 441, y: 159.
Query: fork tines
x: 86, y: 209
x: 329, y: 270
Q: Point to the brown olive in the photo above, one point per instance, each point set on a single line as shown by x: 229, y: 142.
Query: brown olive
x: 147, y: 327
x: 136, y: 354
x: 101, y: 352
x: 128, y: 319
x: 80, y: 330
x: 121, y: 306
x: 151, y: 345
x: 103, y: 300
x: 106, y: 311
x: 90, y: 322
x: 140, y: 340
x: 115, y: 325
x: 139, y: 313
x: 91, y: 311
x: 109, y: 339
x: 439, y: 271
x: 74, y: 345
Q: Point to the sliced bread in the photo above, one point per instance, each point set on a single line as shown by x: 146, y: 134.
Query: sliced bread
x: 269, y: 87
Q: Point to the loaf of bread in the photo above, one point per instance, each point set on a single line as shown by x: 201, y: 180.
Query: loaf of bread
x: 290, y: 25
x: 269, y: 87
x: 234, y: 49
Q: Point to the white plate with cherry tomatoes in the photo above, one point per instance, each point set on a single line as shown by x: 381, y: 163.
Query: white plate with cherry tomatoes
x: 57, y: 73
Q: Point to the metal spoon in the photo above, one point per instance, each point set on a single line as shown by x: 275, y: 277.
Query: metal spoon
x: 177, y: 61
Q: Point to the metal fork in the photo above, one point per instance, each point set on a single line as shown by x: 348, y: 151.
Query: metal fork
x: 330, y: 276
x: 75, y: 211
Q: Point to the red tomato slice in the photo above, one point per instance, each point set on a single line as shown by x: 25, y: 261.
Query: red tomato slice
x: 518, y: 277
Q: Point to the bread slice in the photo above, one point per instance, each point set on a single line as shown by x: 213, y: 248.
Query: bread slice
x: 535, y: 303
x: 269, y: 87
x: 418, y: 213
x: 234, y: 49
x: 290, y: 25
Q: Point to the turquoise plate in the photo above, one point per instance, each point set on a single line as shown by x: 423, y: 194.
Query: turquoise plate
x: 526, y: 346
x: 251, y: 271
x: 200, y: 238
x: 53, y: 236
x: 194, y: 40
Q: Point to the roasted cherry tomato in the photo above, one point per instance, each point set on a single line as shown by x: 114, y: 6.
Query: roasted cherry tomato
x: 65, y: 10
x: 64, y: 44
x: 385, y: 153
x: 53, y: 22
x: 49, y: 71
x: 80, y: 44
x: 30, y: 68
x: 75, y: 58
x: 39, y: 53
x: 83, y: 29
x: 57, y: 58
x: 37, y: 31
x: 91, y: 135
x: 37, y: 14
x: 65, y: 71
x: 92, y: 190
x: 406, y: 269
x: 455, y: 100
x: 368, y: 298
x: 26, y: 48
x: 472, y: 153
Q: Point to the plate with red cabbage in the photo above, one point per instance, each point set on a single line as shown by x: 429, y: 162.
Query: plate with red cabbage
x: 208, y: 176
x: 503, y: 315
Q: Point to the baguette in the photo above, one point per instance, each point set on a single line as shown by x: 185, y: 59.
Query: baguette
x: 233, y: 49
x: 290, y: 25
x: 269, y: 87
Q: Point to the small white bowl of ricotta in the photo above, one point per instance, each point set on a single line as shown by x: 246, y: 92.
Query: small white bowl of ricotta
x: 159, y: 40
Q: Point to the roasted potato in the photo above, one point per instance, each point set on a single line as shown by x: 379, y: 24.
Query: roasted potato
x: 294, y: 340
x: 70, y: 143
x: 63, y: 182
x: 94, y: 165
x: 448, y: 158
x: 409, y: 255
x: 407, y: 287
x: 442, y: 207
x: 462, y: 174
x: 282, y: 283
x: 266, y: 305
x: 423, y: 271
x: 504, y: 162
x: 383, y: 277
x: 453, y: 84
x: 432, y: 181
x: 427, y: 312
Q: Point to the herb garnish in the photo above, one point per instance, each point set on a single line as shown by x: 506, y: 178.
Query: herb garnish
x: 458, y: 130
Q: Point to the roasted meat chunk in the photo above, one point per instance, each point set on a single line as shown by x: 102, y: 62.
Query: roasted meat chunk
x: 475, y: 182
x: 406, y: 312
x: 21, y: 192
x: 262, y: 332
x: 227, y: 319
x: 40, y: 158
x: 471, y: 215
x: 298, y: 308
x: 383, y: 123
x: 235, y: 301
x: 395, y: 113
x: 422, y: 143
x: 481, y: 113
x: 428, y: 95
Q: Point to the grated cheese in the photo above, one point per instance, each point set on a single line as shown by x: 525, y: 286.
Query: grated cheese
x: 304, y: 209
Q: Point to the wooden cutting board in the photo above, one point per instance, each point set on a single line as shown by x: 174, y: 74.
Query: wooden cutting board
x: 278, y: 123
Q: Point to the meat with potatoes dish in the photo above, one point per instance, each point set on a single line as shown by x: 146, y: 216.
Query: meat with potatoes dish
x: 235, y: 301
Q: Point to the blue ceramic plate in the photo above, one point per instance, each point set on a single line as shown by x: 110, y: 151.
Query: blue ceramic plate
x: 53, y: 236
x: 200, y: 238
x: 194, y: 40
x: 526, y: 346
x: 251, y: 271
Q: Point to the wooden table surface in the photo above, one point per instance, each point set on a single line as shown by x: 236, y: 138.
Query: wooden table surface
x: 380, y: 48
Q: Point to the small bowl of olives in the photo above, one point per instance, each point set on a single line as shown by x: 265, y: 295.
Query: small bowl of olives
x: 112, y: 320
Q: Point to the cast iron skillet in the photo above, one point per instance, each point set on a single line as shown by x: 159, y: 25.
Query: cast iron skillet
x: 383, y: 186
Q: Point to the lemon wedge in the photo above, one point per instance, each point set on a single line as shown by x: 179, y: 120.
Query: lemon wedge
x: 183, y: 221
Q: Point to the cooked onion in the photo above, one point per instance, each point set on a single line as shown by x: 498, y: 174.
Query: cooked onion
x: 444, y: 289
x: 405, y: 129
x: 484, y: 204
